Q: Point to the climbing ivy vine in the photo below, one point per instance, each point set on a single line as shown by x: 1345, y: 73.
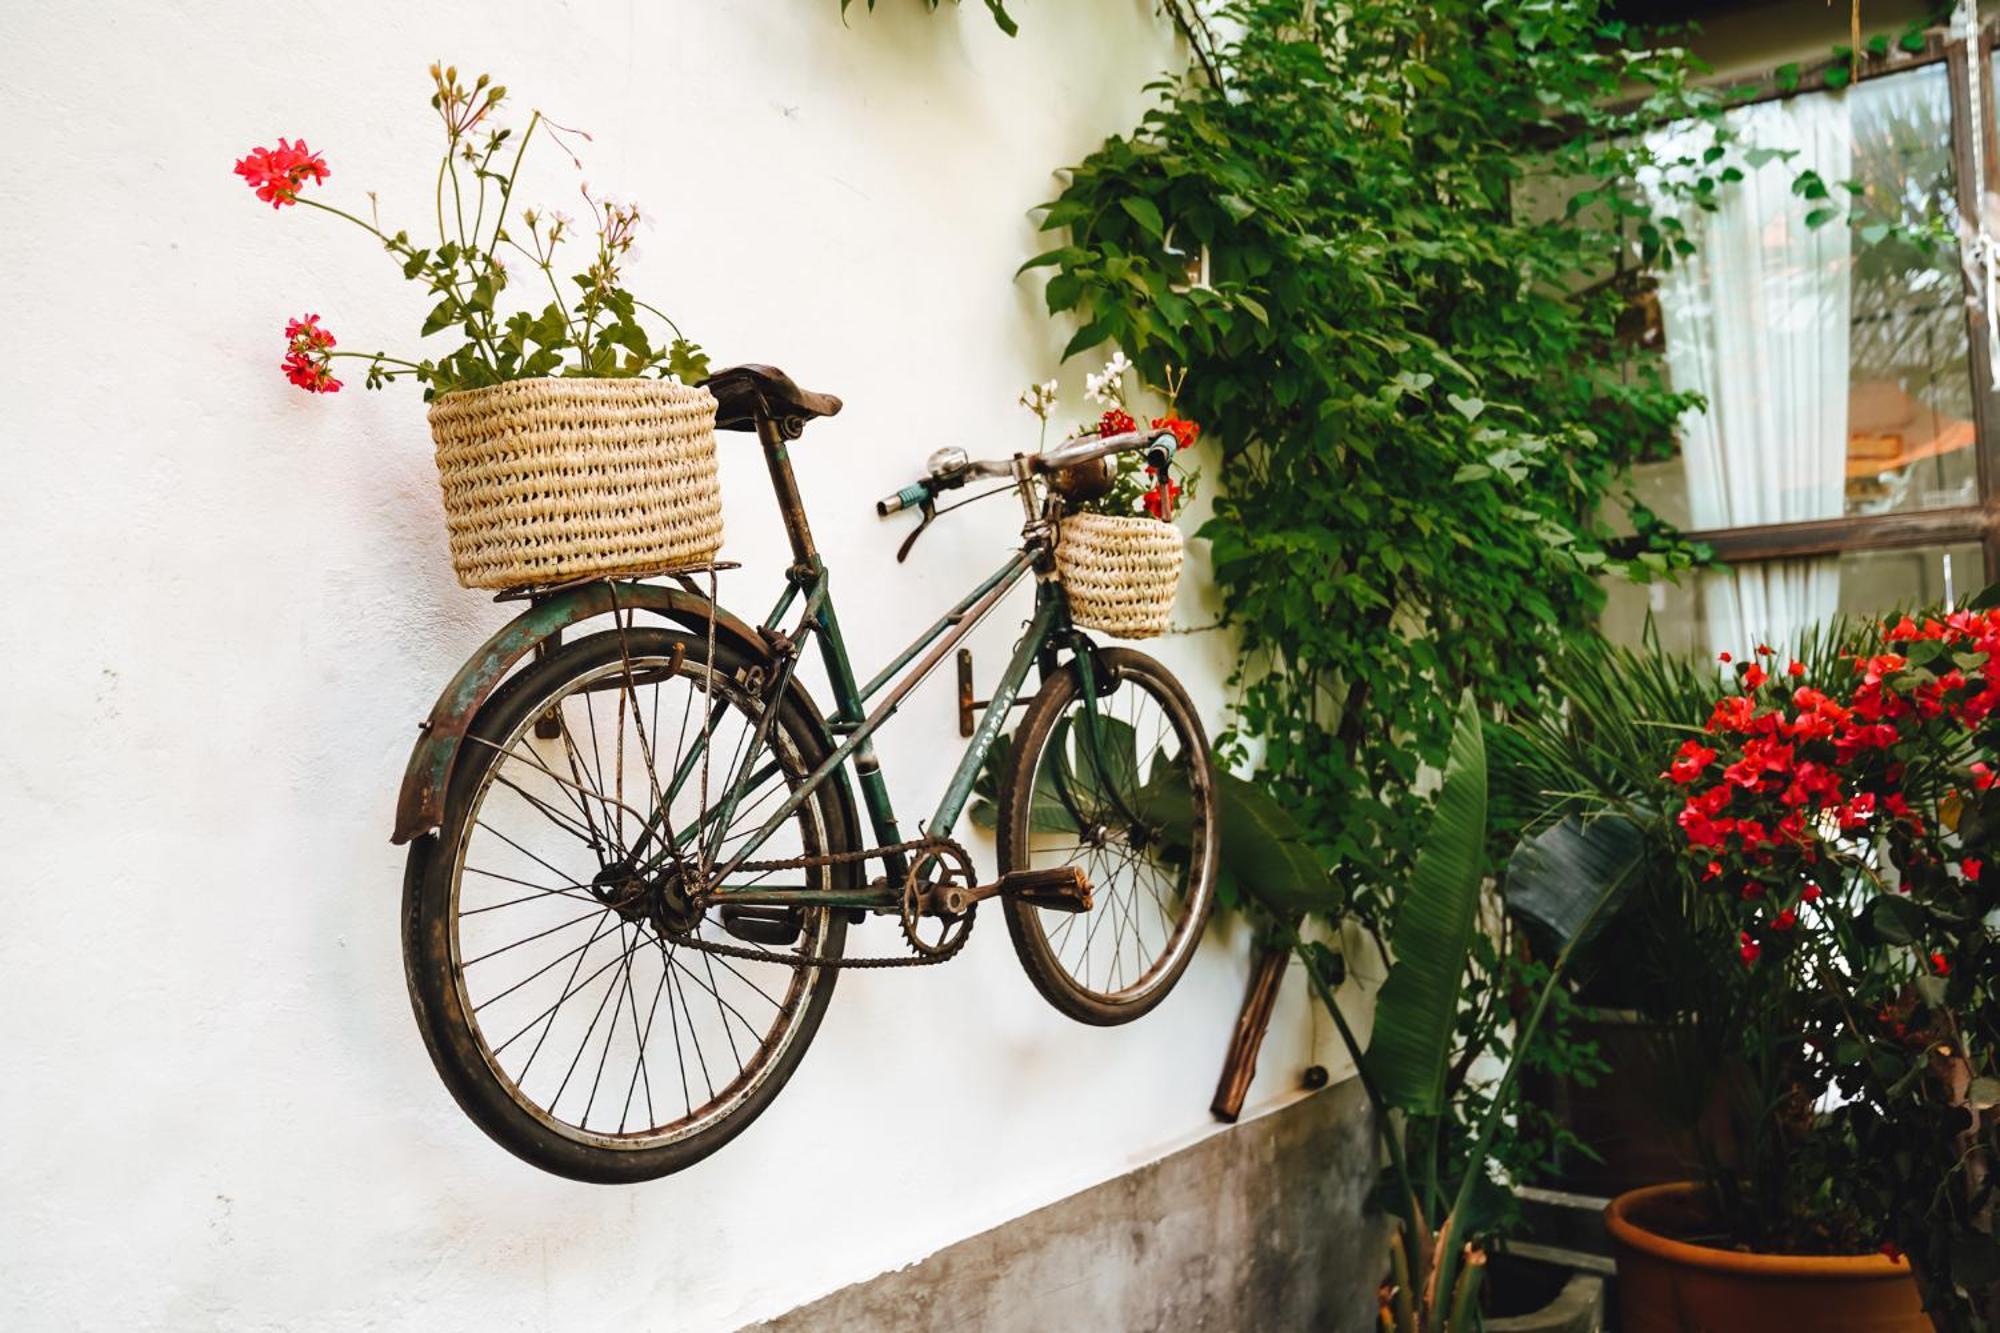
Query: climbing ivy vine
x: 1396, y: 247
x: 997, y: 8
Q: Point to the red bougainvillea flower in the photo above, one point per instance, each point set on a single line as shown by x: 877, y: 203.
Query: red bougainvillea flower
x: 1692, y: 758
x: 278, y: 174
x: 1724, y: 657
x: 1795, y: 669
x: 1809, y: 894
x: 1160, y: 500
x: 1940, y: 965
x: 1785, y: 920
x: 1983, y: 777
x: 1754, y: 676
x: 1746, y: 948
x: 307, y: 363
x: 1116, y: 422
x: 1185, y: 432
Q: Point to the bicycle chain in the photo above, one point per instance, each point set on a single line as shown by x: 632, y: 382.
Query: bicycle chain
x: 839, y: 858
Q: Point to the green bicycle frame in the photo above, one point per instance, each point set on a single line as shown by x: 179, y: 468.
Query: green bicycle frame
x: 851, y: 722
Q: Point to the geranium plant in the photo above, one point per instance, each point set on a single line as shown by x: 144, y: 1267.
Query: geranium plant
x: 592, y: 329
x: 1846, y: 825
x: 1126, y: 484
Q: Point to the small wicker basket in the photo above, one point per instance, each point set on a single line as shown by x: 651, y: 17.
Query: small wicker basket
x: 1121, y: 573
x: 550, y: 480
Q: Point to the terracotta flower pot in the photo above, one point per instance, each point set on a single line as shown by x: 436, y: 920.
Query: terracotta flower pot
x: 1670, y: 1286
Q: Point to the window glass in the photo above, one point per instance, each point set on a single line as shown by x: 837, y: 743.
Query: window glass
x: 1834, y: 358
x: 1688, y: 617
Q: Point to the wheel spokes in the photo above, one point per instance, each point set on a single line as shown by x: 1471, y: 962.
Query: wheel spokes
x: 566, y: 954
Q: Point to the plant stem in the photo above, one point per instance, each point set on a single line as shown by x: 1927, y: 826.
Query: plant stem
x: 663, y: 315
x: 507, y: 194
x: 1476, y: 1159
x: 377, y: 356
x: 368, y: 227
x: 1415, y: 1226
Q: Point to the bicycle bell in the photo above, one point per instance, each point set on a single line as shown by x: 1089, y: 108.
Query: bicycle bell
x: 947, y: 461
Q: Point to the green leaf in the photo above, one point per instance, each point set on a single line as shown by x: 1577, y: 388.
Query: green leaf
x: 1145, y: 213
x: 442, y: 316
x: 1431, y: 934
x: 1787, y: 77
x: 1558, y: 878
x: 1892, y: 918
x: 1469, y: 408
x: 1819, y: 217
x: 999, y: 11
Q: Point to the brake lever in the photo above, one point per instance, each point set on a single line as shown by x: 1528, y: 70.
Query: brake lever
x: 929, y: 508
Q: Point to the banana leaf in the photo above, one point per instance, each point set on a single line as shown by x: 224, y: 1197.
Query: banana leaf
x: 1558, y: 879
x: 1431, y: 934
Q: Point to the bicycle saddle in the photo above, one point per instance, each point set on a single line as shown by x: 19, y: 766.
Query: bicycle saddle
x: 743, y: 393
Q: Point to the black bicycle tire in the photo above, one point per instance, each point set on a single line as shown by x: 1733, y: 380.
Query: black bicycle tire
x: 1031, y: 945
x: 434, y: 1000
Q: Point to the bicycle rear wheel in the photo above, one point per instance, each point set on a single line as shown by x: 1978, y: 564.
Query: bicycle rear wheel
x: 1129, y: 797
x: 549, y: 944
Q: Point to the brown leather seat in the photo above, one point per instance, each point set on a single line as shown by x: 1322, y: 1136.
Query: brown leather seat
x: 743, y: 393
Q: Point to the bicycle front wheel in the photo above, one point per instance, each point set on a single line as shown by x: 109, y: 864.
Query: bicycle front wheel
x: 1124, y: 791
x: 551, y: 942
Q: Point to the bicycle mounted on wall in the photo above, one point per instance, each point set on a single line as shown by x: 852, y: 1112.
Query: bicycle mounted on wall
x: 645, y: 841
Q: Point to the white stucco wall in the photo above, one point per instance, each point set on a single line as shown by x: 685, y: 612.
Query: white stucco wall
x: 228, y: 604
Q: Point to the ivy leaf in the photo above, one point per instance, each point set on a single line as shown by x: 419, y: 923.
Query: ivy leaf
x: 1145, y: 213
x: 1787, y: 77
x: 1819, y: 217
x: 1469, y: 408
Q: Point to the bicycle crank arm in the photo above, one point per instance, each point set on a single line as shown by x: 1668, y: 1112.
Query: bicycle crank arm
x: 1061, y: 889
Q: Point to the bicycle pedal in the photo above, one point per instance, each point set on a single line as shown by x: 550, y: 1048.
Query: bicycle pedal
x: 761, y: 925
x: 1060, y: 889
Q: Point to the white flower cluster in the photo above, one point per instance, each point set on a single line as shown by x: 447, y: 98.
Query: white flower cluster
x: 1039, y: 399
x: 1108, y: 387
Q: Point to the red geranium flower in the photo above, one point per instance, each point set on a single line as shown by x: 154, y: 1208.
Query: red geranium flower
x: 277, y: 174
x: 1160, y: 500
x: 1185, y: 432
x: 307, y: 363
x: 1746, y: 948
x: 1940, y: 965
x: 1116, y: 422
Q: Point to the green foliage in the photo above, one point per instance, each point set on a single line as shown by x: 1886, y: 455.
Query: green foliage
x: 997, y: 8
x: 1421, y: 410
x: 1432, y: 934
x: 597, y: 332
x: 1440, y: 1185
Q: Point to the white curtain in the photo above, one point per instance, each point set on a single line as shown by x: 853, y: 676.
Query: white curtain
x: 1757, y: 322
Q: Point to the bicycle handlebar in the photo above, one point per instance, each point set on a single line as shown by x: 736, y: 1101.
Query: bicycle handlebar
x: 1068, y: 454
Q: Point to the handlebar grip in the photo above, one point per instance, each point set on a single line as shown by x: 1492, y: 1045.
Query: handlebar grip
x: 914, y: 494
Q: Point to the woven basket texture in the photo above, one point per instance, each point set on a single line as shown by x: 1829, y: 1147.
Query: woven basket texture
x: 550, y: 480
x: 1121, y: 573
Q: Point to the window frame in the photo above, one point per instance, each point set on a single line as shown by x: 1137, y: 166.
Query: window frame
x: 1952, y: 525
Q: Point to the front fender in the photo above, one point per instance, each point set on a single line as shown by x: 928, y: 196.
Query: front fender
x: 420, y: 807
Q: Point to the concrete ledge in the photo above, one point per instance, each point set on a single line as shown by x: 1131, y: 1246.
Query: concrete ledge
x: 1259, y: 1226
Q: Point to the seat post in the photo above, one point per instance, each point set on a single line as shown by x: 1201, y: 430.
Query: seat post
x: 773, y: 433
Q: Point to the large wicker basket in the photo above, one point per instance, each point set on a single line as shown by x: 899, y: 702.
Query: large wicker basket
x: 1121, y: 573
x: 550, y: 480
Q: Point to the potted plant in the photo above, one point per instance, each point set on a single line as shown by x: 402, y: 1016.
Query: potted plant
x: 570, y: 442
x: 1838, y: 820
x: 1119, y: 551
